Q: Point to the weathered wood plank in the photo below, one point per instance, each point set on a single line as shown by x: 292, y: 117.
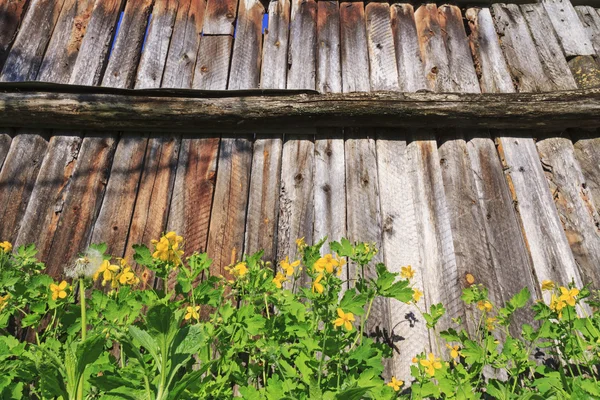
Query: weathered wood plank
x: 23, y: 61
x: 247, y: 47
x: 21, y: 167
x: 570, y: 31
x: 354, y: 54
x: 220, y: 16
x: 275, y: 46
x: 152, y: 61
x: 212, y: 65
x: 91, y: 60
x: 179, y: 68
x: 303, y: 45
x: 5, y: 140
x: 125, y: 55
x: 380, y: 41
x: 433, y: 50
x: 408, y: 53
x: 590, y: 19
x: 329, y: 69
x: 587, y: 152
x: 64, y: 45
x: 11, y: 13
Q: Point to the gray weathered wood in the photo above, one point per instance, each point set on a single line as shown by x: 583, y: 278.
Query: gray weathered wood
x: 220, y: 16
x: 380, y: 41
x: 275, y: 46
x: 11, y: 13
x: 303, y: 45
x: 23, y: 61
x: 5, y: 140
x: 329, y: 69
x: 570, y: 31
x: 587, y: 151
x: 590, y: 19
x: 408, y: 54
x: 247, y: 47
x: 212, y: 65
x: 354, y: 54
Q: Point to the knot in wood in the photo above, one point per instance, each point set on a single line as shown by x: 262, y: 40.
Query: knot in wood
x: 298, y: 178
x: 434, y: 70
x: 326, y: 188
x: 229, y: 15
x: 204, y: 68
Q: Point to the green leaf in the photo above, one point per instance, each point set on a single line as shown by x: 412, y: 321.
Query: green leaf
x: 160, y: 318
x: 88, y: 352
x: 142, y: 255
x: 144, y: 339
x: 520, y: 299
x: 436, y: 311
x: 356, y: 393
x: 343, y: 248
x: 354, y: 303
x: 400, y: 291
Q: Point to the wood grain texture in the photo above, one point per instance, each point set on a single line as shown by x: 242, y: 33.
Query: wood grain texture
x: 91, y: 61
x: 247, y: 47
x: 152, y: 62
x: 125, y: 55
x: 329, y: 68
x: 587, y: 152
x: 275, y: 46
x: 380, y: 42
x: 303, y: 45
x: 212, y: 65
x: 17, y: 178
x: 220, y: 16
x: 354, y: 54
x: 408, y: 53
x: 66, y: 40
x: 590, y: 19
x: 433, y: 50
x: 183, y: 50
x: 570, y: 31
x: 5, y: 140
x: 11, y: 14
x: 23, y: 61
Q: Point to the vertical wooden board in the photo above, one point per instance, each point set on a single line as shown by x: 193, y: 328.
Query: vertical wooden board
x: 91, y: 60
x: 263, y: 202
x: 11, y: 13
x: 220, y: 16
x: 590, y: 19
x: 524, y: 64
x: 82, y: 203
x: 5, y: 140
x: 460, y: 60
x: 228, y: 215
x: 212, y: 66
x: 587, y: 152
x: 490, y: 66
x: 247, y: 47
x: 179, y: 68
x: 433, y: 49
x: 569, y: 29
x: 548, y: 49
x: 401, y: 244
x: 154, y: 54
x: 275, y: 46
x: 19, y: 172
x: 382, y: 54
x: 125, y: 55
x: 303, y: 45
x: 46, y: 203
x: 408, y: 54
x: 354, y: 54
x: 23, y: 61
x: 64, y: 45
x: 329, y: 69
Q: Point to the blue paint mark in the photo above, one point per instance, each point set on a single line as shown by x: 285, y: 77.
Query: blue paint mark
x: 265, y: 23
x: 112, y: 45
x: 146, y: 33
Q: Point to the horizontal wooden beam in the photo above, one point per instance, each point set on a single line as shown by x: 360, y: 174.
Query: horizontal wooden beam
x: 287, y: 113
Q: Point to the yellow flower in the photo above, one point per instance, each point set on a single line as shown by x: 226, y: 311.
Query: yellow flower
x: 431, y: 364
x: 547, y: 285
x: 327, y: 263
x: 470, y: 279
x: 557, y: 304
x: 395, y: 383
x: 568, y: 295
x: 4, y: 301
x: 127, y: 277
x: 300, y: 243
x: 168, y: 248
x: 417, y: 295
x: 289, y: 267
x: 279, y: 279
x: 240, y: 269
x: 316, y: 286
x: 407, y: 272
x: 454, y: 350
x: 489, y: 323
x: 484, y: 305
x: 414, y: 360
x: 108, y: 272
x: 6, y: 247
x: 59, y: 291
x: 345, y: 319
x: 192, y: 312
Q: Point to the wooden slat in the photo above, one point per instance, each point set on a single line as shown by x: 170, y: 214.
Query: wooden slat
x: 380, y: 40
x: 247, y: 48
x: 125, y: 55
x: 329, y: 69
x: 5, y: 140
x: 65, y: 42
x: 179, y: 68
x: 21, y: 167
x: 433, y: 50
x: 408, y: 54
x: 303, y: 43
x: 11, y: 13
x: 96, y: 44
x: 355, y: 56
x: 570, y: 31
x: 23, y: 61
x: 152, y: 62
x: 275, y: 46
x: 212, y: 66
x: 590, y: 19
x: 587, y: 151
x: 220, y: 16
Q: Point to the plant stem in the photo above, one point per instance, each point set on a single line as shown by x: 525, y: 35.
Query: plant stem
x: 322, y: 356
x: 83, y: 329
